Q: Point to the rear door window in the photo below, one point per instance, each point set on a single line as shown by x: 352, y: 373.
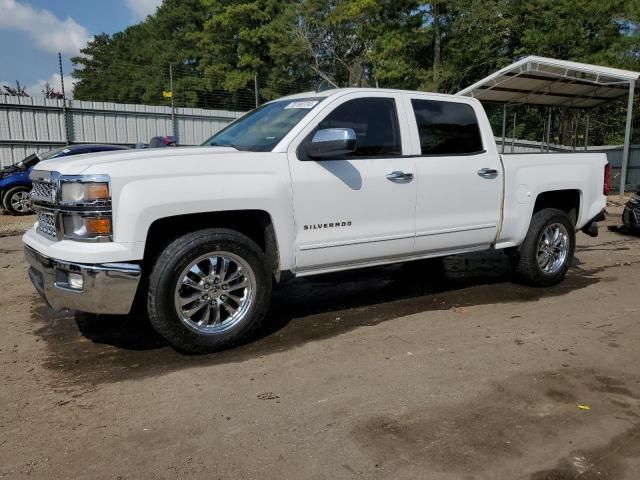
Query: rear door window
x: 447, y: 128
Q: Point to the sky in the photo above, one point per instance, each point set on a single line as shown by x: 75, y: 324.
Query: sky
x: 32, y: 32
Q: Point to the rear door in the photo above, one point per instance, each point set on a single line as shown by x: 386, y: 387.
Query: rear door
x: 459, y: 179
x: 355, y: 209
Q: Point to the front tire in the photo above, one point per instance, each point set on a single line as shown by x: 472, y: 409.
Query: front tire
x: 547, y: 251
x: 17, y: 202
x: 208, y: 290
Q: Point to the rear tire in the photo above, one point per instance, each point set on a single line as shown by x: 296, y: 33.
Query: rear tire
x: 17, y: 202
x: 208, y: 290
x: 547, y: 251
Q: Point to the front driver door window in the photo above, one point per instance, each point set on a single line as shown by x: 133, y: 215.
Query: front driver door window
x: 375, y: 121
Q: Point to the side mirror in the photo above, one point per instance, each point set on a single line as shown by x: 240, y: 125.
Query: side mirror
x: 331, y: 143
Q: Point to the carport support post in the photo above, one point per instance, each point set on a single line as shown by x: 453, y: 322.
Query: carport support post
x: 513, y: 133
x: 544, y: 130
x: 504, y: 126
x: 627, y: 141
x: 549, y: 131
x: 586, y: 133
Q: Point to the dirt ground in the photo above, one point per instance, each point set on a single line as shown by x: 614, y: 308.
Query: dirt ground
x: 10, y: 225
x: 425, y: 371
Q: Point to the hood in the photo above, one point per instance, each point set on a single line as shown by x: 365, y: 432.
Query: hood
x: 9, y: 170
x: 95, y: 162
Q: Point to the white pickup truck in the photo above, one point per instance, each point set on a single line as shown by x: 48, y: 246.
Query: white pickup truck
x: 307, y: 184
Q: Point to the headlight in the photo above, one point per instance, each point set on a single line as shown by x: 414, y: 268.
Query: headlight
x: 85, y: 190
x: 78, y: 226
x: 85, y: 212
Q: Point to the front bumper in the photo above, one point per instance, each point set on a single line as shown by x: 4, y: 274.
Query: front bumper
x: 107, y: 288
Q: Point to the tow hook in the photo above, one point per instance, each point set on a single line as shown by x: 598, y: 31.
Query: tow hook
x: 591, y: 228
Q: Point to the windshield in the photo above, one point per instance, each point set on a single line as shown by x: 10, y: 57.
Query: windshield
x: 53, y: 153
x: 261, y: 129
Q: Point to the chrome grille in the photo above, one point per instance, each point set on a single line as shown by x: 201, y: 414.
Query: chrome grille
x: 43, y: 191
x: 47, y: 225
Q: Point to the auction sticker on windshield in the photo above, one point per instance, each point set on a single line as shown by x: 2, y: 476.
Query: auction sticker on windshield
x: 304, y: 104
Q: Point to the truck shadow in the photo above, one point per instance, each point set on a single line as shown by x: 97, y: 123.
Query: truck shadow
x: 303, y: 310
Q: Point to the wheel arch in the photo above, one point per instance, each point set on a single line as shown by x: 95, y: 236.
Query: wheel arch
x: 11, y: 186
x: 256, y: 224
x: 567, y: 200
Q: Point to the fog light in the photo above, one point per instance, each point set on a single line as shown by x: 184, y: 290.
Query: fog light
x: 75, y: 281
x: 98, y: 226
x: 82, y: 227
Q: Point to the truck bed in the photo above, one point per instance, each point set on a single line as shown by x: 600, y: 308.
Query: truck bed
x: 526, y: 175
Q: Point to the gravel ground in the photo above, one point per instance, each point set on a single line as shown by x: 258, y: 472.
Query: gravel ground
x: 10, y: 225
x: 418, y: 371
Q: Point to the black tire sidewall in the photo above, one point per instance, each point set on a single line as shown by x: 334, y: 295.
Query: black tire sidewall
x: 165, y: 274
x: 6, y: 200
x: 526, y: 265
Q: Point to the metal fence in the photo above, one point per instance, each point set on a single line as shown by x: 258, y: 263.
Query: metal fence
x: 30, y: 124
x: 633, y: 166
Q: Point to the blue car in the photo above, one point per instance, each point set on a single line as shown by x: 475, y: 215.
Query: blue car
x: 14, y: 180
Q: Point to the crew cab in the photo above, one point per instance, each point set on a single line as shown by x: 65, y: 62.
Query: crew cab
x: 312, y: 183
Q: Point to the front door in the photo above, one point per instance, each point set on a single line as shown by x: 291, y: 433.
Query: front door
x: 359, y: 208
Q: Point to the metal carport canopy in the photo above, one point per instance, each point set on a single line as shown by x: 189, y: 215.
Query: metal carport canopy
x: 559, y: 83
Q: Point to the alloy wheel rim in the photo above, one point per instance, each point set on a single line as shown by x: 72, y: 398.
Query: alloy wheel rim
x: 553, y: 248
x: 20, y: 202
x: 214, y: 293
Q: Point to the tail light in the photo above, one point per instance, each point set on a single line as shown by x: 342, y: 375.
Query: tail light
x: 606, y: 188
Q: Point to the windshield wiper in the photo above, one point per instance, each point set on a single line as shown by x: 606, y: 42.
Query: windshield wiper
x: 232, y: 145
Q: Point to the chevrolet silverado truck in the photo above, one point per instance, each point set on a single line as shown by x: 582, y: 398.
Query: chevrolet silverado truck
x: 308, y: 184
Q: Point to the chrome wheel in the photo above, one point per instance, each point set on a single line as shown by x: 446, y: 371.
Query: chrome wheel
x: 214, y: 293
x: 20, y: 201
x: 553, y: 248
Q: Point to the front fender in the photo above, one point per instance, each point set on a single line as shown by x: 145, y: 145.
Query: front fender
x: 15, y: 179
x: 141, y: 202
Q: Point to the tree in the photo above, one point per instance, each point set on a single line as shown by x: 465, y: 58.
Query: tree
x: 363, y: 42
x: 589, y: 31
x: 133, y: 65
x: 478, y: 38
x: 49, y: 92
x: 17, y: 91
x: 245, y: 40
x: 219, y: 48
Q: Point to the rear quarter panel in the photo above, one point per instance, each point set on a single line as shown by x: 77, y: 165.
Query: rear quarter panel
x: 529, y: 175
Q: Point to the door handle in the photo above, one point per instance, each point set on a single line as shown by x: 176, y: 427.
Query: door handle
x: 488, y: 172
x: 399, y: 176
